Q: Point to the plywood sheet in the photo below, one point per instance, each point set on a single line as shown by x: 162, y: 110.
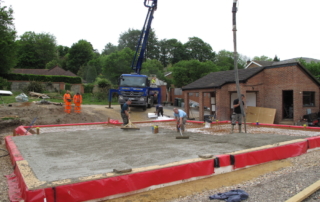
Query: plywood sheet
x: 260, y: 114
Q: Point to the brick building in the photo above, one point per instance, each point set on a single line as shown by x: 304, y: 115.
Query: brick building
x: 55, y: 71
x: 287, y: 87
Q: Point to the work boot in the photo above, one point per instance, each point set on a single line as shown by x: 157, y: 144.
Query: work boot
x: 239, y: 128
x: 232, y: 127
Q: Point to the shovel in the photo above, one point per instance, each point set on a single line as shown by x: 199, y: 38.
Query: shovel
x: 181, y: 136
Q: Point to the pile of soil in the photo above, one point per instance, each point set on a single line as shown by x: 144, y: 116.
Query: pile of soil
x: 24, y: 113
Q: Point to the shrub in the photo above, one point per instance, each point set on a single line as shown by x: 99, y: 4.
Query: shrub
x: 88, y: 88
x: 68, y: 86
x: 34, y: 86
x: 4, y: 84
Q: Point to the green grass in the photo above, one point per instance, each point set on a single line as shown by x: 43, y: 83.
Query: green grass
x: 87, y: 99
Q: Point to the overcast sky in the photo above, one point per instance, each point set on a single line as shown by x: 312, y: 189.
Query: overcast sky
x: 286, y: 28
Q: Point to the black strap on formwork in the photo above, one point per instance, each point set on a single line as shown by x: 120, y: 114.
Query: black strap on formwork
x: 232, y: 160
x: 54, y: 194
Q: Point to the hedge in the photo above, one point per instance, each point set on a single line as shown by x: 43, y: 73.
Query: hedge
x: 41, y: 78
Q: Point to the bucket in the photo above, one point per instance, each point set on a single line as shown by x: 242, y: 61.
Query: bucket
x: 156, y: 129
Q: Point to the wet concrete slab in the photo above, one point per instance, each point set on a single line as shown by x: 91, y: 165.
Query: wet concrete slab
x: 76, y: 152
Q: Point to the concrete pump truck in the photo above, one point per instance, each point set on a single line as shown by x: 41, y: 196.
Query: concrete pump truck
x: 134, y: 86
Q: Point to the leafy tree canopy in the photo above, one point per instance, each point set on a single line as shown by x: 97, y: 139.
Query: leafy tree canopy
x: 171, y: 51
x: 130, y: 40
x: 276, y: 59
x: 117, y: 63
x: 185, y: 72
x: 36, y: 50
x: 79, y: 54
x: 109, y: 48
x: 313, y: 67
x: 7, y: 39
x: 153, y: 67
x: 262, y: 58
x: 197, y: 49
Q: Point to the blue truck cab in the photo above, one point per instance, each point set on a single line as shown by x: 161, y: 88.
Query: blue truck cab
x: 136, y: 87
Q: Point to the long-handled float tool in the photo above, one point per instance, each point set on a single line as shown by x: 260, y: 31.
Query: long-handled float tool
x: 34, y: 120
x: 181, y: 136
x: 130, y: 126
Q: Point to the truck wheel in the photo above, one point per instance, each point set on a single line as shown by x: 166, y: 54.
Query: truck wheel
x: 144, y: 108
x: 121, y: 106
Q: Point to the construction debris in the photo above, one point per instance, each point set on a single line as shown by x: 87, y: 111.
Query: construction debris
x: 39, y: 95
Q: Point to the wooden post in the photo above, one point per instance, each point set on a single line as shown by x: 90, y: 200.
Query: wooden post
x: 14, y: 132
x: 38, y: 130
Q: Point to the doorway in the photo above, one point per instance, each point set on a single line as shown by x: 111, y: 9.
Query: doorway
x: 287, y: 104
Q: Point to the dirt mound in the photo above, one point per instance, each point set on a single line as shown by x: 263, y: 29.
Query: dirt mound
x: 24, y: 114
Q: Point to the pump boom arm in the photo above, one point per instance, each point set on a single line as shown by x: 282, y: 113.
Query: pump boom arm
x: 142, y: 43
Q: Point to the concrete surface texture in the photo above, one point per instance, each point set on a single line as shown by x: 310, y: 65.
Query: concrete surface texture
x: 79, y: 153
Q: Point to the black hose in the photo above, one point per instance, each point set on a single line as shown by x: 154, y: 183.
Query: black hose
x: 5, y: 154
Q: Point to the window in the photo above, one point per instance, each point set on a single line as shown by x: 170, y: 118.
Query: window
x: 197, y: 94
x: 308, y: 99
x: 190, y: 94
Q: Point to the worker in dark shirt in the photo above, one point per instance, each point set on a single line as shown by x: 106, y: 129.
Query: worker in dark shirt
x: 159, y: 110
x: 125, y: 112
x: 237, y: 115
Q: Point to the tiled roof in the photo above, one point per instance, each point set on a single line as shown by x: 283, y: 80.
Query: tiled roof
x: 218, y: 79
x: 57, y: 71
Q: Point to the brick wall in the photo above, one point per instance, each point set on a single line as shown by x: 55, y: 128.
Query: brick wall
x: 289, y: 78
x: 56, y: 86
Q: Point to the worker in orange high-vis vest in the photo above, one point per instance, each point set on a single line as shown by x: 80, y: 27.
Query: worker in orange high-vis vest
x: 67, y: 102
x: 77, y: 100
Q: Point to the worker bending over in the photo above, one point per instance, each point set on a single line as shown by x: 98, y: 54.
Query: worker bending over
x: 67, y: 102
x: 125, y: 112
x: 77, y: 100
x: 181, y: 118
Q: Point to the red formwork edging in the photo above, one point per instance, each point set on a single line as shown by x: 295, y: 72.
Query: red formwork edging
x: 313, y: 142
x: 270, y: 154
x: 14, y: 153
x: 102, y: 188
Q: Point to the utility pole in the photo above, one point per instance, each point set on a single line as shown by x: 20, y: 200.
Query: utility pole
x: 236, y: 57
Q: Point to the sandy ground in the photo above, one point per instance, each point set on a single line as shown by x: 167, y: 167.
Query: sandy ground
x: 23, y: 114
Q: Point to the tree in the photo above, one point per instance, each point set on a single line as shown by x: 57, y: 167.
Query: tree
x: 313, y: 67
x: 52, y: 64
x: 185, y: 72
x: 130, y: 39
x: 153, y: 67
x: 109, y: 48
x: 79, y: 54
x: 276, y: 59
x: 7, y: 40
x: 62, y: 51
x: 197, y: 49
x: 91, y: 74
x: 171, y: 51
x: 225, y: 60
x: 117, y: 63
x: 36, y: 50
x: 262, y: 58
